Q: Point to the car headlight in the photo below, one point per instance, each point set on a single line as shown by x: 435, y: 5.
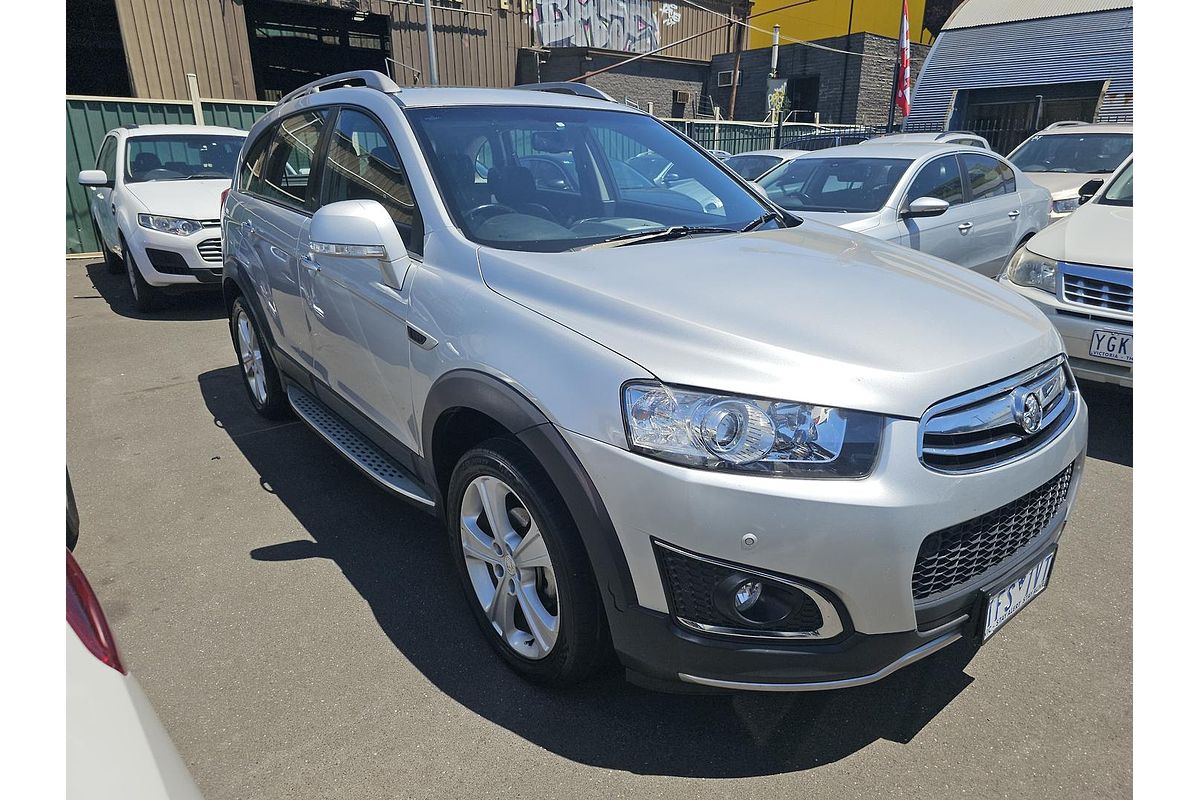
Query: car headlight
x: 1030, y: 269
x: 180, y: 227
x: 1064, y: 206
x: 745, y: 434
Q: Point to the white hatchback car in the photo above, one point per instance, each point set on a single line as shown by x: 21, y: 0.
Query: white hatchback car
x: 1080, y: 272
x: 960, y: 203
x: 155, y: 201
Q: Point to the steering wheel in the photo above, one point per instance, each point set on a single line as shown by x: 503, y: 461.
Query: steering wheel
x: 480, y: 214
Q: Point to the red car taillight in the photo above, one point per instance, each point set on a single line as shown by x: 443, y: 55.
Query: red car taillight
x: 224, y: 194
x: 87, y: 618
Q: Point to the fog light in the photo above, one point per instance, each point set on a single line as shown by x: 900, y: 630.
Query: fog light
x: 747, y: 595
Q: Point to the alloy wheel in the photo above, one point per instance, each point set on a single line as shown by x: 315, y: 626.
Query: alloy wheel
x: 130, y: 267
x: 509, y: 567
x: 251, y: 356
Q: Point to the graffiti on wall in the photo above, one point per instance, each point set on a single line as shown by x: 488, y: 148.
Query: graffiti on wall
x: 631, y: 25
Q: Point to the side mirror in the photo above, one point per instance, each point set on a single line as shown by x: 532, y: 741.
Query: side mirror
x: 925, y: 207
x: 1089, y: 189
x: 361, y: 229
x: 94, y: 177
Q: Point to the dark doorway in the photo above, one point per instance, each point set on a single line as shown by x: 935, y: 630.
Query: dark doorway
x: 802, y: 96
x: 1008, y: 115
x: 95, y: 55
x: 293, y: 44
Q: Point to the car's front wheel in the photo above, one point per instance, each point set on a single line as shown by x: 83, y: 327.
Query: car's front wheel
x: 259, y: 375
x: 145, y: 296
x: 113, y: 262
x: 526, y: 573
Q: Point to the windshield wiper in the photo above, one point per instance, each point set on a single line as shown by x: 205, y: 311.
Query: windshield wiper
x: 764, y: 219
x: 657, y: 235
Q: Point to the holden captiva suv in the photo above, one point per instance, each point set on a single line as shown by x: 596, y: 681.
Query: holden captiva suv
x: 741, y: 450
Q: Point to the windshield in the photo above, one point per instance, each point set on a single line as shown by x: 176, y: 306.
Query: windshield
x: 1120, y: 191
x: 554, y: 179
x: 750, y: 167
x: 1081, y: 152
x: 173, y: 157
x: 853, y: 185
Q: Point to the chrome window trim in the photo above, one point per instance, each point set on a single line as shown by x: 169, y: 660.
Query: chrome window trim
x: 831, y: 620
x: 1057, y: 417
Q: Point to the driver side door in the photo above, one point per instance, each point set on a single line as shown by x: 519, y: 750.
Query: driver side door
x: 947, y: 235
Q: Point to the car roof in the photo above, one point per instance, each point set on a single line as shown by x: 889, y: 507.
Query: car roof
x: 780, y: 153
x: 159, y: 130
x: 939, y: 136
x: 893, y: 150
x: 430, y: 97
x: 1088, y: 127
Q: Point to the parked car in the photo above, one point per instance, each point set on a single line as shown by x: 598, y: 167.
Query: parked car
x: 1080, y: 272
x: 116, y: 746
x: 756, y: 163
x: 576, y: 383
x: 1067, y: 155
x: 958, y: 203
x: 720, y: 154
x: 965, y: 138
x: 155, y: 202
x: 826, y: 139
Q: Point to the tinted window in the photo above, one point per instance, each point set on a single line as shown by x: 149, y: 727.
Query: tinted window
x: 173, y: 157
x: 856, y: 185
x: 362, y: 164
x: 285, y: 175
x: 750, y: 167
x: 1073, y: 152
x: 107, y: 159
x: 987, y: 176
x: 939, y: 178
x: 511, y: 211
x: 250, y: 177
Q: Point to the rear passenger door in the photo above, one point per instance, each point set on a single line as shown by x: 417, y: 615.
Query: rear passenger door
x: 946, y: 236
x: 359, y: 323
x: 995, y: 212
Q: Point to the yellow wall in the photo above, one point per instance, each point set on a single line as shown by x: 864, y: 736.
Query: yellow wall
x: 821, y: 19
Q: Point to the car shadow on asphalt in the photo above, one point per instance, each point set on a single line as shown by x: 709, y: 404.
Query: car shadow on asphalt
x: 201, y: 304
x: 398, y: 559
x: 1110, y: 422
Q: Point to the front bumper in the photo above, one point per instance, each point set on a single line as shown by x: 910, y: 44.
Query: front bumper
x: 1075, y: 324
x: 165, y: 259
x: 858, y: 539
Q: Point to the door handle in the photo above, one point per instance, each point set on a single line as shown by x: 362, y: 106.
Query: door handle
x: 112, y: 207
x: 309, y: 264
x: 1014, y: 214
x: 248, y: 227
x: 965, y: 227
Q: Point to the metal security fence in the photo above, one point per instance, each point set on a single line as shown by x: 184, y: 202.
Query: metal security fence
x: 741, y: 137
x: 89, y: 118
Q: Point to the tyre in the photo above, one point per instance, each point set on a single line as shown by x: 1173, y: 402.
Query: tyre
x: 524, y: 568
x: 114, y: 264
x: 145, y: 296
x: 259, y: 375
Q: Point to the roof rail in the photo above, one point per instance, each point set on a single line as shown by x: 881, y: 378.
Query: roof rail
x: 1066, y: 123
x: 567, y: 87
x: 362, y: 77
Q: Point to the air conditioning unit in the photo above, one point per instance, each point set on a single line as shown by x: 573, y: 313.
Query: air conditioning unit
x: 680, y: 96
x: 725, y: 77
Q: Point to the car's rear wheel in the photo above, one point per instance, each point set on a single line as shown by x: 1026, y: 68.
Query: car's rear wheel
x: 526, y: 574
x: 259, y: 375
x: 145, y: 296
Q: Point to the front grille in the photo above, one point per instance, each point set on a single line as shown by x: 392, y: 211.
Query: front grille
x: 951, y: 557
x: 999, y: 423
x: 1098, y: 287
x: 210, y: 250
x: 691, y: 583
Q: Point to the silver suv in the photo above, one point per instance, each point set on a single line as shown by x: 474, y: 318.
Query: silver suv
x: 741, y: 450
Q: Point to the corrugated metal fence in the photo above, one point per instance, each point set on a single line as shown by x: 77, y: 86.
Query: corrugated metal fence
x: 89, y: 118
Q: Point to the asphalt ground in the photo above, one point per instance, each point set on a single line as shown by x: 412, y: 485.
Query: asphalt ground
x: 302, y: 634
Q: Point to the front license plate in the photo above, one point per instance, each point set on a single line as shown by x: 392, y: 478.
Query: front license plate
x: 1112, y: 345
x: 1002, y: 604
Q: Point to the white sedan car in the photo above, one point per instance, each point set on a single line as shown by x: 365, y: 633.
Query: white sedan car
x: 756, y: 163
x: 155, y: 200
x: 1080, y: 272
x: 960, y: 203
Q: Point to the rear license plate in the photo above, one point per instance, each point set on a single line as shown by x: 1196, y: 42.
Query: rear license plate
x: 1001, y: 605
x: 1112, y: 345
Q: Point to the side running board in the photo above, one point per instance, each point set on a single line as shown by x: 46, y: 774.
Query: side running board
x: 360, y: 450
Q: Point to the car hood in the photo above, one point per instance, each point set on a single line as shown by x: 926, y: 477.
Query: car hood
x: 810, y: 314
x: 1101, y: 235
x: 1063, y: 185
x: 200, y: 199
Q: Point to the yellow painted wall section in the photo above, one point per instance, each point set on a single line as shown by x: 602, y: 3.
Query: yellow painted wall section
x: 822, y: 19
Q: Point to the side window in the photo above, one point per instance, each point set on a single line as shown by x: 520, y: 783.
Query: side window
x: 250, y: 177
x: 984, y: 175
x: 939, y: 178
x: 107, y: 159
x: 289, y: 159
x: 1010, y: 177
x: 484, y: 161
x: 362, y: 164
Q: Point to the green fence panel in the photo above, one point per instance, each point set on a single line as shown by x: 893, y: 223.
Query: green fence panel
x: 233, y: 114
